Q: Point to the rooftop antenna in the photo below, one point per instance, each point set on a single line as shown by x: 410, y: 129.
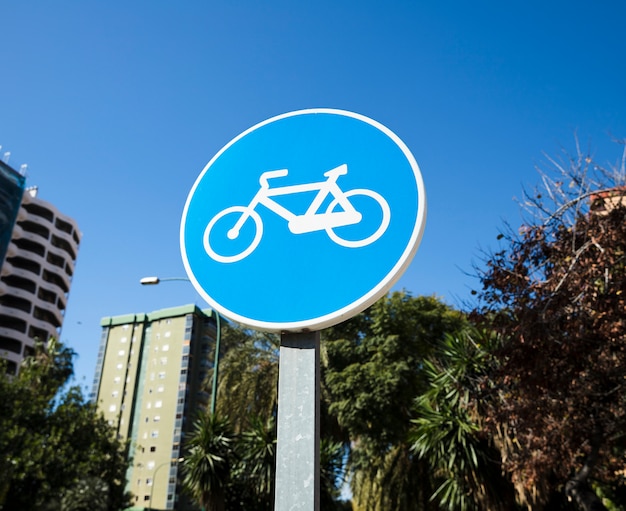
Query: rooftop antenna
x: 23, y: 168
x: 6, y: 157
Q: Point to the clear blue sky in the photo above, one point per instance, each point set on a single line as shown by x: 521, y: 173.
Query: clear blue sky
x: 117, y: 106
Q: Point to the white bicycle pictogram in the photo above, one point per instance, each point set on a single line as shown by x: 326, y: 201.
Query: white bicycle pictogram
x: 312, y: 220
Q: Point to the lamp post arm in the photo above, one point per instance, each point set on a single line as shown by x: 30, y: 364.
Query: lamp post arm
x: 216, y: 363
x: 170, y: 463
x: 154, y: 481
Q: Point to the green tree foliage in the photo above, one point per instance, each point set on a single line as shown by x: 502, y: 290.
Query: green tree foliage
x: 447, y: 430
x: 373, y: 372
x: 208, y: 458
x: 224, y: 470
x: 557, y: 291
x: 332, y: 475
x: 374, y: 366
x: 254, y: 464
x: 54, y: 446
x: 248, y: 376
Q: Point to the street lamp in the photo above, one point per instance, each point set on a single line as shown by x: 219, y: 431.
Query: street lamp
x: 171, y: 462
x: 152, y: 281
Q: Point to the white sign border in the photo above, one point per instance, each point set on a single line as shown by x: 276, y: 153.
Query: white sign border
x: 364, y: 301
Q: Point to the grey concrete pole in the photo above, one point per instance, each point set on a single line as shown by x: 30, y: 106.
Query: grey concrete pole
x: 298, y: 435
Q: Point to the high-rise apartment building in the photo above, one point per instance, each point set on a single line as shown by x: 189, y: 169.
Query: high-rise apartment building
x: 149, y: 385
x: 35, y: 277
x: 11, y: 190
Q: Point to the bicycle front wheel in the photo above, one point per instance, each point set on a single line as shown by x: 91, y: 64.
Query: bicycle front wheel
x: 223, y: 243
x: 375, y: 217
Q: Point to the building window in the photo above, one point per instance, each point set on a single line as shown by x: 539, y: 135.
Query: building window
x: 160, y: 388
x: 158, y: 404
x: 155, y: 433
x: 163, y: 361
x: 165, y: 347
x: 112, y: 408
x: 157, y: 418
x: 120, y: 365
x: 146, y: 497
x: 153, y: 448
x: 150, y: 465
x: 120, y: 353
x: 168, y: 333
x: 149, y: 481
x: 162, y: 375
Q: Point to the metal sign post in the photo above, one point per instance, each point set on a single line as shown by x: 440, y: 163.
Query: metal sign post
x: 298, y: 442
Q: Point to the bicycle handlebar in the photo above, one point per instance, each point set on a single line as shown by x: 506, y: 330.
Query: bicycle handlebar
x: 270, y: 174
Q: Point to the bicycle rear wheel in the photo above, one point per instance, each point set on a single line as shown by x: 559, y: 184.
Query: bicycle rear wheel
x: 225, y: 245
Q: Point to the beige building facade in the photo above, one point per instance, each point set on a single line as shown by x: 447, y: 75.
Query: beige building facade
x: 149, y: 384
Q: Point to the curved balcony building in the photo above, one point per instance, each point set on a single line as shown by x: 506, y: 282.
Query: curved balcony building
x: 35, y: 277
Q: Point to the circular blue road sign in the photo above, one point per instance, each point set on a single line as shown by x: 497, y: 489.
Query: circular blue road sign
x: 303, y: 220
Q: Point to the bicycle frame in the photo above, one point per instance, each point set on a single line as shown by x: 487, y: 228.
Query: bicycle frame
x: 311, y: 220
